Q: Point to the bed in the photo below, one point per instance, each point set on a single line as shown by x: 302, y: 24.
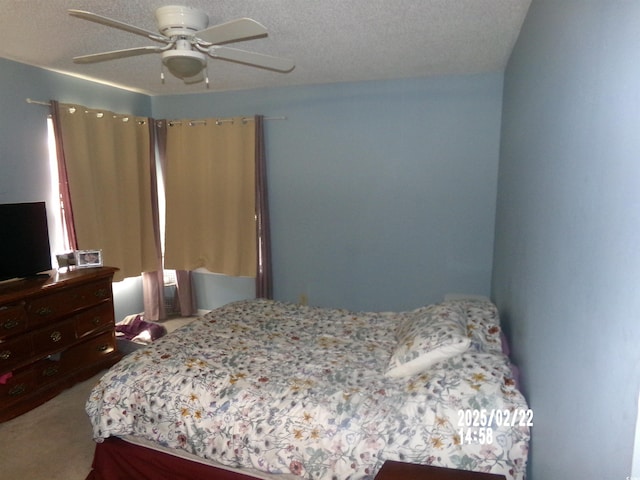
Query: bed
x: 271, y: 390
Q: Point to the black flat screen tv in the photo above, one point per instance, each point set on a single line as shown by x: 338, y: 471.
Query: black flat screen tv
x: 24, y: 240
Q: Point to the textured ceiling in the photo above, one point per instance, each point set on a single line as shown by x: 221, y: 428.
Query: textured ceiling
x: 330, y: 40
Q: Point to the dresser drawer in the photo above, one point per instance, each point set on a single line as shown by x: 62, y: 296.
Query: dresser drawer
x: 49, y: 370
x: 94, y: 319
x: 91, y: 351
x: 54, y: 368
x: 15, y: 351
x: 13, y: 320
x: 21, y: 384
x: 53, y: 338
x: 56, y: 305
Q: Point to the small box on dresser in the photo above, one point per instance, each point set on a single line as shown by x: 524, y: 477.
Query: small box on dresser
x: 53, y: 333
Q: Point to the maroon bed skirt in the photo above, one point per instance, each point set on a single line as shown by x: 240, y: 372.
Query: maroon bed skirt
x: 115, y: 459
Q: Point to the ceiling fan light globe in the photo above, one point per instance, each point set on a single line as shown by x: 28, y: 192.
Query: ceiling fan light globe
x: 184, y: 64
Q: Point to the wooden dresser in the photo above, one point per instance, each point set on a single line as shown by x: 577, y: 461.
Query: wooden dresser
x: 404, y: 471
x: 54, y: 332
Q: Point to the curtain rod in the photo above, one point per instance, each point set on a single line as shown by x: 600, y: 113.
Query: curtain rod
x: 217, y: 121
x: 48, y: 104
x: 36, y: 102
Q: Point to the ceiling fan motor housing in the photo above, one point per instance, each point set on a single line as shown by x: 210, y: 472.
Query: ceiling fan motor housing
x: 176, y: 20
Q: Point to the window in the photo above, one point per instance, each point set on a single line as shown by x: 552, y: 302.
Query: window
x: 58, y: 237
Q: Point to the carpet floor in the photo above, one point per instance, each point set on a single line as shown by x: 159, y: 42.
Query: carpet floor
x: 53, y: 441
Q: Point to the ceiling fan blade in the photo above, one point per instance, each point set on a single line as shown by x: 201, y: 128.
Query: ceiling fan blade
x: 129, y: 52
x: 233, y: 31
x: 93, y: 17
x: 251, y: 58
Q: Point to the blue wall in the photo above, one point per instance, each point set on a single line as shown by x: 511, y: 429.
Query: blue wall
x: 567, y: 251
x: 23, y: 138
x: 382, y: 193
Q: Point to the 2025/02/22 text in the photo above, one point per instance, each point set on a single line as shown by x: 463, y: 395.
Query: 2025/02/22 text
x: 476, y: 425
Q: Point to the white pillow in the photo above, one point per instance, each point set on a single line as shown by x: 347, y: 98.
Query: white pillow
x: 428, y: 338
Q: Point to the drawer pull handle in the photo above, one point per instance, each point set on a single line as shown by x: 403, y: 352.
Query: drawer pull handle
x: 11, y: 323
x: 103, y: 348
x: 5, y: 354
x: 101, y: 293
x: 56, y: 336
x: 50, y: 371
x: 43, y: 311
x: 18, y: 390
x: 96, y: 320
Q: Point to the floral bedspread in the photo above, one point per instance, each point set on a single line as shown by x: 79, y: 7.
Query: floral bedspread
x: 283, y: 388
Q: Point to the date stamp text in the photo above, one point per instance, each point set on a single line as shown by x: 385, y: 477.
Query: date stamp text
x: 479, y: 425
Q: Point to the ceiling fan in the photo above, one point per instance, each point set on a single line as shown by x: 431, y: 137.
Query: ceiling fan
x: 188, y: 40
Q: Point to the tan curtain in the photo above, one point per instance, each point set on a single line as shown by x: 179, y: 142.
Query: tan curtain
x: 108, y: 163
x: 153, y: 282
x: 210, y: 196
